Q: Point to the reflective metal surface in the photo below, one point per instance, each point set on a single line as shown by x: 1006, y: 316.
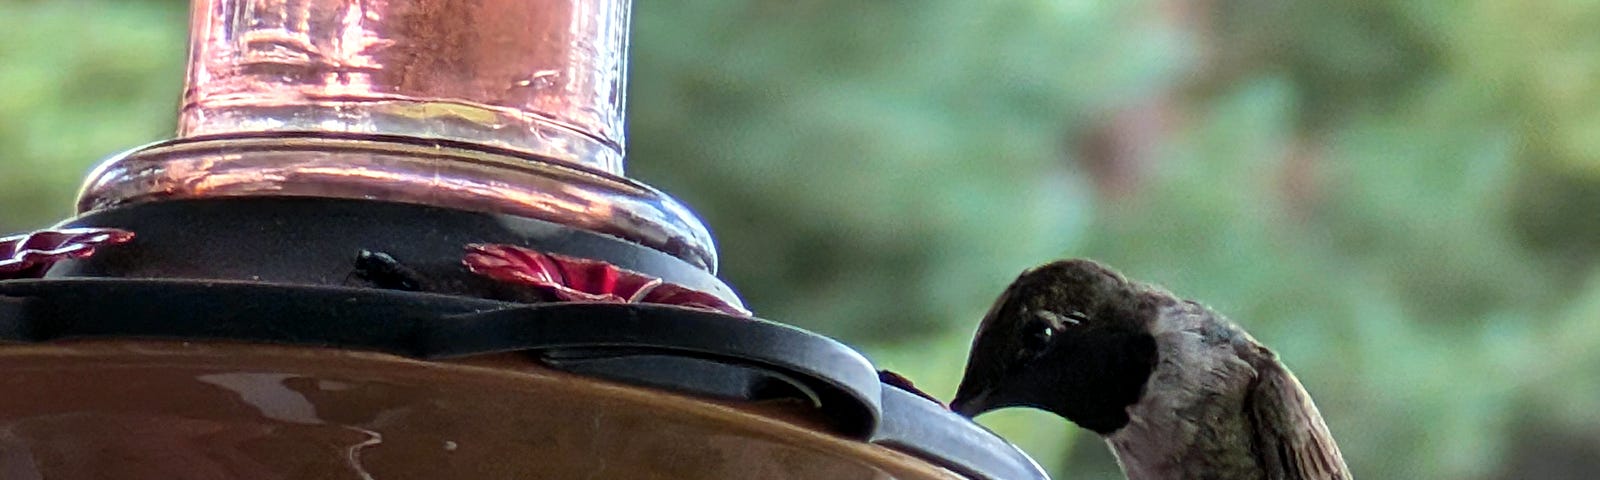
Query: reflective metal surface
x: 457, y: 176
x: 170, y: 411
x: 542, y: 76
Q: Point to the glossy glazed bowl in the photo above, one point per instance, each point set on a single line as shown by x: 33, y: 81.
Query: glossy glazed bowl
x: 192, y: 411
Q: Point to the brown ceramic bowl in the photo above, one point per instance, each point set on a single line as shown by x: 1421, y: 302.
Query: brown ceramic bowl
x: 193, y: 411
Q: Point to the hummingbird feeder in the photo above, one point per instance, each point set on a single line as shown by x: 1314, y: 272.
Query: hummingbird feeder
x: 393, y: 239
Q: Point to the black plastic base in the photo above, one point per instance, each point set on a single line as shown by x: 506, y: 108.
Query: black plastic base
x: 835, y: 379
x: 316, y: 241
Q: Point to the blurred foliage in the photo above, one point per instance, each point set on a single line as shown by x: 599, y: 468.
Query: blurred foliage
x: 75, y: 88
x: 1401, y: 196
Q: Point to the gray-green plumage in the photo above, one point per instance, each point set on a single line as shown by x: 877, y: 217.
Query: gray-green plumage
x: 1177, y: 391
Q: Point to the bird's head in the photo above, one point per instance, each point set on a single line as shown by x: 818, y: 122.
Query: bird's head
x: 1067, y: 337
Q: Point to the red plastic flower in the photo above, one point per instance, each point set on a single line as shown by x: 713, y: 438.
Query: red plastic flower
x: 584, y: 280
x: 29, y: 254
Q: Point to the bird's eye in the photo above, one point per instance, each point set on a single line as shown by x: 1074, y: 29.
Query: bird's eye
x: 1036, y: 339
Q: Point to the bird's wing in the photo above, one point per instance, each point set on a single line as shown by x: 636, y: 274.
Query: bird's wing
x: 1291, y: 438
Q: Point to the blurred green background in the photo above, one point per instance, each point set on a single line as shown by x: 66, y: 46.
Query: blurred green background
x: 1401, y: 196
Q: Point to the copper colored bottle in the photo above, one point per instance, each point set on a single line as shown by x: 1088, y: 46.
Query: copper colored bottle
x: 503, y: 106
x: 543, y: 77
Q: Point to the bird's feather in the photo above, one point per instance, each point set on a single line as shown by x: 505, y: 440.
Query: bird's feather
x: 1292, y: 440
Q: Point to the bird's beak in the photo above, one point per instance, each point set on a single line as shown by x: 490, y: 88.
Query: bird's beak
x: 974, y: 402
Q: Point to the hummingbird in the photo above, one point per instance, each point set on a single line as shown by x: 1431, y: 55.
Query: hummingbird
x: 1176, y: 390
